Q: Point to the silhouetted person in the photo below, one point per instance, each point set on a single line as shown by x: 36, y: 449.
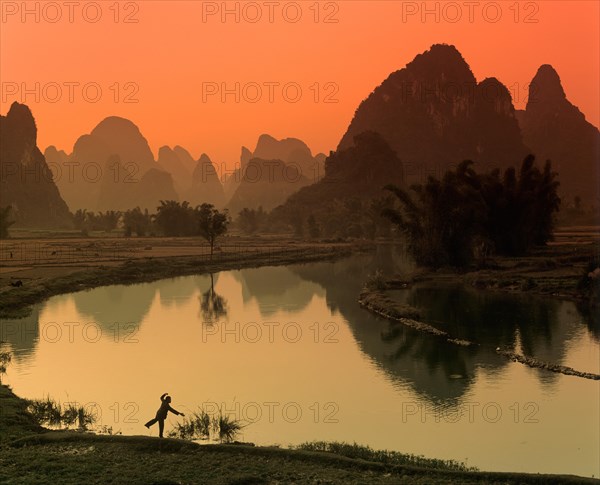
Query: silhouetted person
x: 161, y: 414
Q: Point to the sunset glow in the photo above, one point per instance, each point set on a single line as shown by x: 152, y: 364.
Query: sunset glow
x: 173, y: 51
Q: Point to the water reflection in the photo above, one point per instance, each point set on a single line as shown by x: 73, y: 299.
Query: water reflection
x: 372, y: 371
x: 439, y: 371
x: 22, y: 334
x: 213, y: 307
x: 435, y: 369
x: 276, y: 288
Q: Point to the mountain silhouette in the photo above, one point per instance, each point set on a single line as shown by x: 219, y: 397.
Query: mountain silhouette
x: 231, y: 181
x: 358, y: 172
x: 123, y: 138
x: 116, y: 170
x: 169, y: 161
x: 290, y: 150
x: 265, y: 183
x: 125, y: 193
x: 556, y: 130
x: 206, y: 186
x: 434, y: 114
x: 26, y: 182
x: 292, y: 165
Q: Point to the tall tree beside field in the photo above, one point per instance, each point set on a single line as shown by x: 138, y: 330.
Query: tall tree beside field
x: 211, y: 223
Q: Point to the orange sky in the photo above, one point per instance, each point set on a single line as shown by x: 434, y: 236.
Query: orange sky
x: 171, y: 51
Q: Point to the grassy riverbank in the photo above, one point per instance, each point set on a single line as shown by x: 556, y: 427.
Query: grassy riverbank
x: 29, y: 455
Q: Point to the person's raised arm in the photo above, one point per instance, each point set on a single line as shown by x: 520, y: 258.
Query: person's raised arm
x: 162, y: 398
x: 174, y: 411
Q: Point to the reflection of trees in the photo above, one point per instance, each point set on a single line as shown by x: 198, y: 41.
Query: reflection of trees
x: 21, y: 334
x: 427, y: 363
x: 493, y: 319
x: 436, y: 369
x: 439, y: 371
x: 434, y: 352
x: 591, y: 318
x: 212, y: 305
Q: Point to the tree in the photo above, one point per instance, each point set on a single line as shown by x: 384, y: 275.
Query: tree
x: 376, y: 223
x: 447, y: 221
x: 175, y: 219
x: 442, y: 218
x: 520, y: 207
x: 211, y: 223
x: 109, y: 220
x: 79, y: 219
x: 5, y: 221
x: 251, y: 220
x: 135, y: 220
x: 314, y: 231
x: 298, y: 226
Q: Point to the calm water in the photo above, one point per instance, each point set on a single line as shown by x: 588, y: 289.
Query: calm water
x: 290, y: 351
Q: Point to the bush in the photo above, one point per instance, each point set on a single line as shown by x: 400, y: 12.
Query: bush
x: 201, y: 426
x: 52, y: 413
x: 376, y: 281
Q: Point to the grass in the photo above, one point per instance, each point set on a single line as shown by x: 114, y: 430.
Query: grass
x: 226, y: 427
x: 367, y: 453
x: 202, y: 426
x: 73, y: 458
x: 52, y: 413
x: 31, y: 455
x: 15, y: 421
x: 196, y: 427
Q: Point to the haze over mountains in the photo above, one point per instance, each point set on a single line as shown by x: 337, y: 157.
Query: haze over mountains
x: 113, y: 168
x: 421, y: 120
x: 269, y: 175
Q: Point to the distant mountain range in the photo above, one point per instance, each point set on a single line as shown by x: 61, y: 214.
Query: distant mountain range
x: 269, y: 175
x: 434, y: 114
x: 113, y: 168
x: 420, y: 121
